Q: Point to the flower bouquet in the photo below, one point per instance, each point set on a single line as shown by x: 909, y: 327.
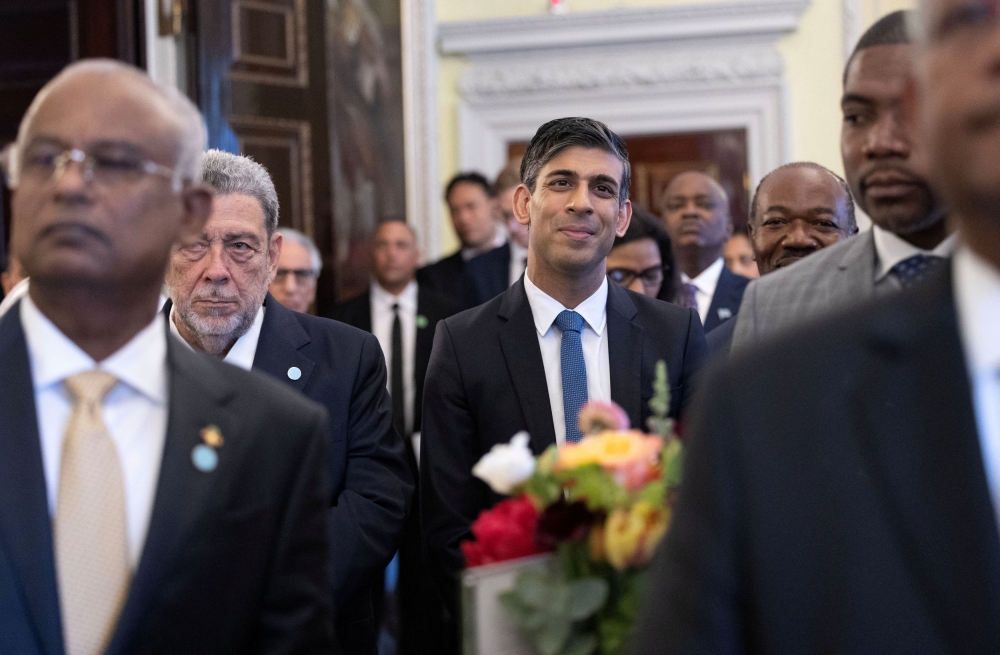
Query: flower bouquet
x: 599, y: 506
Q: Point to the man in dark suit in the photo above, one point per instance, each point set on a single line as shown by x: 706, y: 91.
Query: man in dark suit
x: 841, y: 487
x: 473, y: 207
x: 220, y: 305
x: 529, y: 359
x: 696, y: 213
x: 797, y: 210
x: 406, y: 342
x: 151, y: 500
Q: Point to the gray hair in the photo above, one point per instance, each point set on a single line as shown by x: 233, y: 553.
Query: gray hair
x: 555, y: 136
x: 293, y: 235
x: 192, y: 140
x: 228, y: 173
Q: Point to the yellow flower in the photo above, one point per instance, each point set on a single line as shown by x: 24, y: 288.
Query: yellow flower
x: 610, y: 449
x: 631, y: 536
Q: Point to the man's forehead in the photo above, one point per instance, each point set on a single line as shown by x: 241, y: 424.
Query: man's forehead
x: 394, y: 231
x: 106, y: 106
x: 585, y: 162
x: 692, y: 184
x: 879, y: 70
x: 235, y: 211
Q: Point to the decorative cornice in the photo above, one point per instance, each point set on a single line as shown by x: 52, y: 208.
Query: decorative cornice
x: 742, y: 18
x: 749, y: 65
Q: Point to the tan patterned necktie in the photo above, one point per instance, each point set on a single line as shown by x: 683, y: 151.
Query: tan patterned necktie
x: 91, y: 540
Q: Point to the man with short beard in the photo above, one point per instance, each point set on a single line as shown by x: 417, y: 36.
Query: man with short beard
x: 886, y: 170
x: 220, y: 305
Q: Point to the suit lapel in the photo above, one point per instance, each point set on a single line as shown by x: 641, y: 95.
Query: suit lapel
x: 519, y: 342
x: 725, y: 299
x: 858, y: 268
x: 917, y: 430
x: 281, y: 337
x: 197, y: 399
x: 625, y: 354
x: 422, y: 351
x: 25, y: 525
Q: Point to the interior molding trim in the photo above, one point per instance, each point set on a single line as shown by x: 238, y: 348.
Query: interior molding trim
x: 420, y: 116
x: 850, y: 20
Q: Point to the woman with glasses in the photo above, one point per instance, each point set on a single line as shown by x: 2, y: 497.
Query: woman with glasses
x: 642, y: 260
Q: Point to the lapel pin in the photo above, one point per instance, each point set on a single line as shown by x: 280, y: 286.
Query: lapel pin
x: 421, y: 321
x: 725, y: 313
x: 203, y: 456
x: 294, y: 373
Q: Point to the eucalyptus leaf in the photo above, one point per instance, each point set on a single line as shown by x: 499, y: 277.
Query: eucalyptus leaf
x: 551, y: 638
x: 587, y: 596
x: 533, y: 588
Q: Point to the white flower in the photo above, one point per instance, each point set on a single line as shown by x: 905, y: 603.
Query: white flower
x: 506, y: 465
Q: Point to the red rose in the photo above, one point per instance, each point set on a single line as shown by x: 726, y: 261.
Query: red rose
x: 504, y: 532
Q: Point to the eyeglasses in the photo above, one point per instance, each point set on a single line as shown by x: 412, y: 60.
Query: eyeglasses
x: 303, y: 276
x: 48, y: 162
x: 650, y: 277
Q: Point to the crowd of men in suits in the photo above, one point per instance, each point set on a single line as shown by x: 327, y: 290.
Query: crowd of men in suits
x: 191, y: 462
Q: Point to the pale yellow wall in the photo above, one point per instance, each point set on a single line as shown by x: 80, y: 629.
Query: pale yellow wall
x: 813, y: 58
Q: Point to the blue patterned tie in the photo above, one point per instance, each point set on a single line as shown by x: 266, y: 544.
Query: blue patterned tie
x: 912, y: 269
x: 574, y: 372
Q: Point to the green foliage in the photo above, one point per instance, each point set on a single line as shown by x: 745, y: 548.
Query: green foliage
x: 659, y: 423
x: 595, y: 486
x: 672, y: 459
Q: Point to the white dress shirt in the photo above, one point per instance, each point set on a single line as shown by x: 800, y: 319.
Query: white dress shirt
x: 891, y: 249
x: 382, y: 317
x: 245, y: 348
x: 518, y: 261
x: 594, y: 340
x: 135, y: 411
x: 705, y: 285
x: 977, y: 300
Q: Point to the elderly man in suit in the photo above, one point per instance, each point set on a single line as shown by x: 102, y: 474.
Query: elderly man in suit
x: 859, y: 513
x: 798, y: 209
x: 530, y: 358
x: 886, y: 169
x: 220, y: 305
x: 151, y: 500
x: 403, y: 315
x: 696, y: 214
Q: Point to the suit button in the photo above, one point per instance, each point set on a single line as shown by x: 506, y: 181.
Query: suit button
x: 294, y: 373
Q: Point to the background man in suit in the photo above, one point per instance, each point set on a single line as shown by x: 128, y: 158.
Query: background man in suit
x: 886, y: 169
x: 797, y: 209
x: 530, y: 358
x: 220, y: 305
x: 696, y: 213
x: 403, y: 315
x: 299, y: 264
x: 473, y: 208
x: 151, y: 500
x: 862, y: 520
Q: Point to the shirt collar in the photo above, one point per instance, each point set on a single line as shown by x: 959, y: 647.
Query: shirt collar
x: 498, y: 240
x: 892, y: 249
x: 977, y: 299
x: 708, y: 279
x: 407, y: 298
x: 545, y: 308
x: 141, y: 363
x: 245, y: 348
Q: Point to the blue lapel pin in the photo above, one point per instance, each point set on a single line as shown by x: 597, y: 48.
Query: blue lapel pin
x: 204, y: 456
x: 294, y: 373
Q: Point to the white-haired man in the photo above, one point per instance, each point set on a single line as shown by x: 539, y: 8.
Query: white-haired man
x: 299, y: 264
x: 151, y: 500
x: 220, y: 305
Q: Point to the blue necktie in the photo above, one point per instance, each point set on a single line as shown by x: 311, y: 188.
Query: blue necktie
x: 912, y: 269
x: 574, y: 372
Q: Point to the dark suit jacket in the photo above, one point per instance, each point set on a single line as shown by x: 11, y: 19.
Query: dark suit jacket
x: 834, y: 496
x: 487, y: 275
x: 343, y: 369
x: 486, y: 382
x: 433, y: 306
x: 726, y: 300
x: 470, y: 284
x: 720, y: 340
x: 235, y: 560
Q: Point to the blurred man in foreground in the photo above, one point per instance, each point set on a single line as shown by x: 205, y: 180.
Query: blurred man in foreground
x: 696, y: 213
x: 886, y: 167
x: 151, y: 500
x: 797, y: 209
x: 220, y: 306
x: 299, y: 264
x: 859, y: 513
x: 403, y: 315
